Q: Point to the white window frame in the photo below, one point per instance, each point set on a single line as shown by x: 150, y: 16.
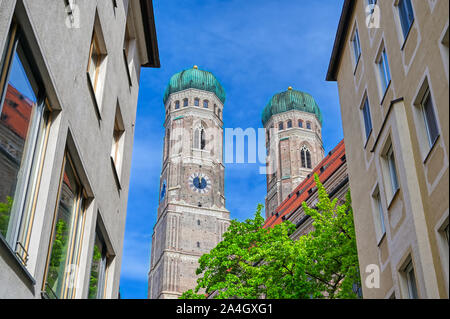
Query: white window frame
x: 383, y: 71
x: 355, y: 44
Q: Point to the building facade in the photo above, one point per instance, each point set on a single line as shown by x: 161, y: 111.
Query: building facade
x: 332, y: 173
x: 69, y: 81
x: 191, y: 215
x: 293, y: 125
x: 390, y: 62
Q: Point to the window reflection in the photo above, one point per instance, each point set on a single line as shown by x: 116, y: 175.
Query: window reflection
x: 66, y: 237
x: 18, y: 122
x: 98, y: 269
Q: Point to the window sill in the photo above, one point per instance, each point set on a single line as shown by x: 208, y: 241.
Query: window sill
x: 356, y: 64
x: 393, y: 198
x: 368, y: 138
x: 93, y: 96
x: 116, y: 175
x: 10, y: 254
x: 385, y: 92
x: 431, y: 149
x: 381, y: 239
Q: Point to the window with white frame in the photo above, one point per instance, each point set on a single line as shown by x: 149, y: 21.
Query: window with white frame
x: 429, y: 118
x: 380, y: 228
x: 96, y: 68
x: 129, y: 45
x: 99, y: 265
x: 118, y: 142
x: 406, y: 15
x: 390, y: 158
x: 367, y: 118
x: 384, y: 71
x: 24, y: 126
x: 411, y: 281
x: 356, y: 47
x: 66, y: 236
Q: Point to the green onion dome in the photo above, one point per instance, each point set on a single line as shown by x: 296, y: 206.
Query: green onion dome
x: 195, y: 79
x: 291, y: 100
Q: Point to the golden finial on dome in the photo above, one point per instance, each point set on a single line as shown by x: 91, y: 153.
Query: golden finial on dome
x: 195, y: 67
x: 290, y: 88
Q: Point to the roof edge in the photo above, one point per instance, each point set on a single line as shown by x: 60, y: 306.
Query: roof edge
x: 148, y: 19
x: 347, y: 11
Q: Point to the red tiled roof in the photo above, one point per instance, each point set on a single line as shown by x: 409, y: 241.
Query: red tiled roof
x: 16, y: 112
x: 324, y: 170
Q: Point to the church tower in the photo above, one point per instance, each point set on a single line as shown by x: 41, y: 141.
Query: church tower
x: 293, y: 125
x: 191, y: 215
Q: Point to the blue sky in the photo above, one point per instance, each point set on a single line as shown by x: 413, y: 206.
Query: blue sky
x: 256, y: 48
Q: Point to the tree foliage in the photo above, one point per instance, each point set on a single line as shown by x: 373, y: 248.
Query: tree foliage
x: 252, y: 262
x: 5, y: 214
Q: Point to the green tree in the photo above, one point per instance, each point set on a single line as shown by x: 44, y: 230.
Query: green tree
x: 5, y: 214
x: 93, y: 281
x: 253, y: 262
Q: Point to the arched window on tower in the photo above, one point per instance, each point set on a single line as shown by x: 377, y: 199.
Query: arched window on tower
x: 196, y: 101
x: 308, y: 125
x: 205, y: 104
x: 202, y: 139
x: 300, y: 123
x: 185, y: 102
x: 177, y: 105
x: 197, y: 138
x: 289, y: 124
x: 305, y: 155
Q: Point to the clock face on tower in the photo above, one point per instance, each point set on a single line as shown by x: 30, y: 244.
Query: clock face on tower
x: 200, y: 183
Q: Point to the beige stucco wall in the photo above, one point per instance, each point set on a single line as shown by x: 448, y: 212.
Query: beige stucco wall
x: 415, y: 215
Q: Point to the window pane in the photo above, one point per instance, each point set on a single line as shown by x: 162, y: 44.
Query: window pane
x: 380, y: 211
x: 356, y: 46
x: 94, y: 63
x: 385, y: 75
x: 392, y: 171
x: 411, y: 278
x: 205, y: 104
x: 308, y: 159
x: 66, y: 236
x: 98, y: 269
x: 18, y: 121
x: 430, y: 120
x: 367, y: 118
x: 406, y: 15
